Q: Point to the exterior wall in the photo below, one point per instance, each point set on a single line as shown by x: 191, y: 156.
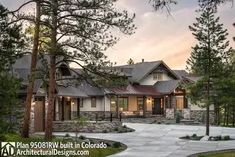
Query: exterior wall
x: 150, y: 81
x: 102, y: 104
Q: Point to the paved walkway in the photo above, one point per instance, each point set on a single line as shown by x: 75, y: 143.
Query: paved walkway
x: 156, y: 140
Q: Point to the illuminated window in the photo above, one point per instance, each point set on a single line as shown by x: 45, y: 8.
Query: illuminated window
x: 123, y: 103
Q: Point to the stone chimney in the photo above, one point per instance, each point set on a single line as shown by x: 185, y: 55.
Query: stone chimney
x: 142, y: 60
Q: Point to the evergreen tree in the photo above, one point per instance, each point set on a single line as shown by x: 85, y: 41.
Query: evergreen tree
x: 80, y: 31
x: 130, y: 61
x: 207, y: 57
x: 11, y: 45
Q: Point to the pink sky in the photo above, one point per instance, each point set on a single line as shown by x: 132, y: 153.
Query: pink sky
x: 158, y: 37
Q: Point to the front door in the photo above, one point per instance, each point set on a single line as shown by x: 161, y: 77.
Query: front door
x: 157, y: 109
x: 39, y: 113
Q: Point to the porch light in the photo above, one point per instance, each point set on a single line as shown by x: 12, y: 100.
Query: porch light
x: 121, y: 109
x: 113, y: 102
x: 68, y: 98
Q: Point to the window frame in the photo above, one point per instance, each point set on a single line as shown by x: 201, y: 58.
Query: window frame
x: 158, y: 76
x: 122, y: 105
x: 140, y: 106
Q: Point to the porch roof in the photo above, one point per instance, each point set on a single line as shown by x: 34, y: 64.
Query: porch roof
x: 135, y: 90
x: 70, y: 91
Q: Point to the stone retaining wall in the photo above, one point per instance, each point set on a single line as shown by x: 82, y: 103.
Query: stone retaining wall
x: 90, y: 127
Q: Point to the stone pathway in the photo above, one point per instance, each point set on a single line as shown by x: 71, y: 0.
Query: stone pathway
x: 156, y: 140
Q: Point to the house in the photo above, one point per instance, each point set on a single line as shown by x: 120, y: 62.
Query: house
x: 153, y: 89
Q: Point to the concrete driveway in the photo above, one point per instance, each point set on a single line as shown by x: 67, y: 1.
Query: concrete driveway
x: 156, y: 140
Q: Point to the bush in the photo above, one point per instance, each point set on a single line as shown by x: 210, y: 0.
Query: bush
x: 67, y: 135
x: 117, y: 145
x: 82, y: 137
x: 116, y: 129
x: 226, y: 138
x: 194, y: 135
x: 104, y: 131
x: 124, y: 126
x: 178, y: 117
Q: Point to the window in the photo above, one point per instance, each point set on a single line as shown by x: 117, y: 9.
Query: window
x: 93, y: 102
x: 140, y: 103
x: 158, y: 76
x: 123, y: 103
x: 113, y: 103
x: 81, y: 103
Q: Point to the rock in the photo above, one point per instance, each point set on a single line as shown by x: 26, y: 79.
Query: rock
x: 205, y: 138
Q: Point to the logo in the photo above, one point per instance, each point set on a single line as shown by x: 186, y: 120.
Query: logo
x: 7, y: 148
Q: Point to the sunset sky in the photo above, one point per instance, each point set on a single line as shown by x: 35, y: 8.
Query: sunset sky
x: 158, y: 36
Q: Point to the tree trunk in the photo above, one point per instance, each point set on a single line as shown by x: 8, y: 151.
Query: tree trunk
x: 208, y: 109
x: 52, y: 69
x: 26, y: 122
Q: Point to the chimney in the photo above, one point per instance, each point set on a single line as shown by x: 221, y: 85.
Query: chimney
x: 142, y: 60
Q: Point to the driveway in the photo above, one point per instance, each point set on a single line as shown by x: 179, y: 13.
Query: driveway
x: 156, y: 140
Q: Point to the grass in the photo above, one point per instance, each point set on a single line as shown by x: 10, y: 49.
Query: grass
x: 224, y: 154
x: 93, y: 152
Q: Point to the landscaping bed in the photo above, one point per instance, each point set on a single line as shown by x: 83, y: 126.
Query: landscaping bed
x: 112, y: 146
x: 91, y: 127
x: 195, y: 137
x: 223, y: 153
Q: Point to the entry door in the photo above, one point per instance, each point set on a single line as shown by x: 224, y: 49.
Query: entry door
x: 157, y: 106
x: 67, y: 110
x: 39, y: 113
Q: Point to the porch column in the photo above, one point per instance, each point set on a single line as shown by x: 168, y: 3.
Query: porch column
x: 62, y: 113
x: 144, y: 107
x: 117, y: 107
x: 78, y: 107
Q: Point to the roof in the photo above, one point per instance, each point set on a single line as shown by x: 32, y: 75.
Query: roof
x: 90, y: 90
x: 135, y: 90
x: 70, y: 91
x: 181, y: 73
x: 166, y: 87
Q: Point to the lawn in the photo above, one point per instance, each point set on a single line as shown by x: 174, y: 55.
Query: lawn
x: 112, y: 146
x: 223, y: 154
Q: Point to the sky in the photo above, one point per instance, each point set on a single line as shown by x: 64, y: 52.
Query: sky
x: 158, y: 35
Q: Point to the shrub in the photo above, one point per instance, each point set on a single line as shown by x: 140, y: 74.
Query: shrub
x: 194, y: 135
x: 226, y: 138
x: 177, y: 120
x: 82, y: 137
x: 104, y: 131
x: 67, y: 135
x: 124, y: 126
x: 116, y: 129
x: 116, y: 145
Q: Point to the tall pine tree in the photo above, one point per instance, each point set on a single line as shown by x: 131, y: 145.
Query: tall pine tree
x: 207, y: 57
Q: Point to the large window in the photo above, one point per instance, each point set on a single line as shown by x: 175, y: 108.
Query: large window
x: 158, y: 76
x: 93, y: 102
x: 140, y: 103
x: 123, y: 103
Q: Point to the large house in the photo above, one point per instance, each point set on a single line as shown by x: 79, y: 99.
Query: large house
x: 153, y: 90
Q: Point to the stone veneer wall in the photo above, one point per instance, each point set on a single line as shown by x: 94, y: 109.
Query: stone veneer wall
x: 200, y: 116
x: 91, y: 127
x: 170, y: 113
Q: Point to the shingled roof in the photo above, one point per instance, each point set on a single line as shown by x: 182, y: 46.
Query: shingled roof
x: 166, y: 87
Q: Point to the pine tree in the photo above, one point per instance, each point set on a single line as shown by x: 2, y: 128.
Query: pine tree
x: 80, y: 32
x: 207, y: 57
x: 11, y: 48
x: 130, y: 61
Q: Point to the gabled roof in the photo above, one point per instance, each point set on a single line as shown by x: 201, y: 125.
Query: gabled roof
x: 167, y: 87
x: 140, y: 70
x: 181, y: 73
